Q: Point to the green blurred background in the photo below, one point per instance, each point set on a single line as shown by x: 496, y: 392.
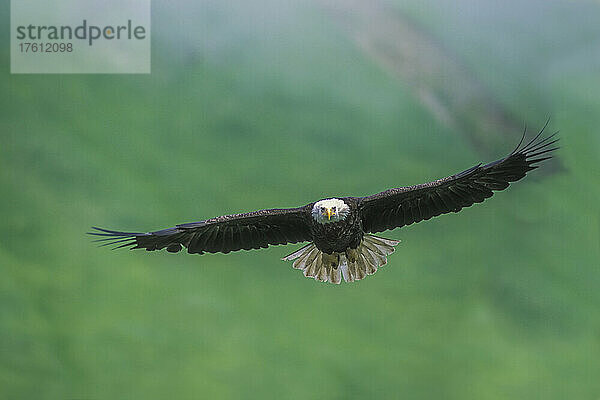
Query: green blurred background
x: 265, y: 104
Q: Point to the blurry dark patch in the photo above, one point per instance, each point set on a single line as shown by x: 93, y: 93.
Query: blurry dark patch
x: 528, y: 308
x: 232, y: 127
x: 438, y: 78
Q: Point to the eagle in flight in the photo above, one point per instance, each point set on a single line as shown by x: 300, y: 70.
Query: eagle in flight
x: 340, y: 231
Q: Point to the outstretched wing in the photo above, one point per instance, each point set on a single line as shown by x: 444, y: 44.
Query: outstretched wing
x: 397, y: 207
x: 222, y: 234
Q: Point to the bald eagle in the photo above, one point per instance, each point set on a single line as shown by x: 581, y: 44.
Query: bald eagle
x: 340, y: 231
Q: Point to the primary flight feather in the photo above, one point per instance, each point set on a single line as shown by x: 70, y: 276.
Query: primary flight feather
x: 340, y: 231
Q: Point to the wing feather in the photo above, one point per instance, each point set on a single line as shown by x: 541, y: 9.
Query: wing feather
x: 223, y: 234
x: 397, y: 207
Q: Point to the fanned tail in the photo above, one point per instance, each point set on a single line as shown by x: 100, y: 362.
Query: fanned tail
x: 352, y: 265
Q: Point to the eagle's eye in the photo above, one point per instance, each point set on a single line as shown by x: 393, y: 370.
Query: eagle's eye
x: 334, y: 209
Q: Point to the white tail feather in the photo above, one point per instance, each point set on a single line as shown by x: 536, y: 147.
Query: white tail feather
x: 353, y: 265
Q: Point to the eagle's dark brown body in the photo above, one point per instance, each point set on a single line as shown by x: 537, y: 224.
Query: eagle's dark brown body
x: 339, y: 236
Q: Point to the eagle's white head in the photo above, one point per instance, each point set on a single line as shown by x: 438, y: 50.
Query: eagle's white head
x: 330, y: 210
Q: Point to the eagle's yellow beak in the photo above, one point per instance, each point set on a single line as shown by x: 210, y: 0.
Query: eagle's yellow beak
x: 329, y: 214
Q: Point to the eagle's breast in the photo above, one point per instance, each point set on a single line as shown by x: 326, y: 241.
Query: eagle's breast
x: 341, y: 235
